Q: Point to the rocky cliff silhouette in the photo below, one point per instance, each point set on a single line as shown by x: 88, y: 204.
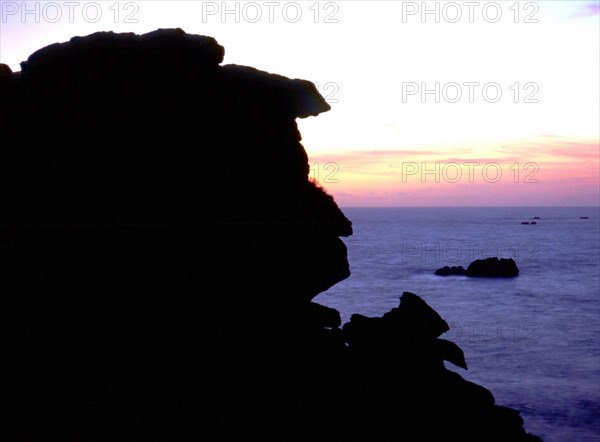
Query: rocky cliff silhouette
x: 161, y: 247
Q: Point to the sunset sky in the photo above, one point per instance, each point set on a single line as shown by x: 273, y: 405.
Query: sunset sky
x: 514, y: 119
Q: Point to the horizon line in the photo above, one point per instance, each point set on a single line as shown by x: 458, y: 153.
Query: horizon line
x: 462, y: 206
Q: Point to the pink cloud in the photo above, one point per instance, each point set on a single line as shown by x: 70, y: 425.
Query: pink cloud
x: 563, y: 172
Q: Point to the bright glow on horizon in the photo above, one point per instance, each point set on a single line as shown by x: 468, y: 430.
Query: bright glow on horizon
x: 367, y: 61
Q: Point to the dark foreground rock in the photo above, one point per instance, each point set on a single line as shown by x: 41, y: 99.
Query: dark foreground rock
x: 489, y: 268
x: 161, y: 247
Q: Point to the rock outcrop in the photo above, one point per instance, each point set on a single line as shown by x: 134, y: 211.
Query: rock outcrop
x: 448, y: 271
x: 493, y: 268
x: 487, y: 268
x: 161, y: 247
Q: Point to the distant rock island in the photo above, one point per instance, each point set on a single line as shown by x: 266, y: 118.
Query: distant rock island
x: 489, y: 268
x: 162, y: 244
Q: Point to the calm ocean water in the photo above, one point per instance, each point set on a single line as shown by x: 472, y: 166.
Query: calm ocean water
x: 534, y: 340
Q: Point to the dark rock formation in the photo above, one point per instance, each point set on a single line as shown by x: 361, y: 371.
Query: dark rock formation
x: 489, y: 267
x: 447, y: 271
x: 161, y: 245
x: 493, y: 268
x: 406, y: 337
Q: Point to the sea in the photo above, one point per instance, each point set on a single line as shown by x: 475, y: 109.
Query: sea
x: 533, y: 340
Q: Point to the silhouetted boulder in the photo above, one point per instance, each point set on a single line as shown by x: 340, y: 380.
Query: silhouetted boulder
x: 399, y: 358
x: 493, y: 268
x: 161, y: 247
x: 406, y: 333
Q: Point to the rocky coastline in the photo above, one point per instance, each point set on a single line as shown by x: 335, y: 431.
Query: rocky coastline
x: 162, y: 245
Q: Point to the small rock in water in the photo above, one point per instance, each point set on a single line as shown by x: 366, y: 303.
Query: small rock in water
x: 490, y: 267
x: 493, y: 267
x: 447, y: 271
